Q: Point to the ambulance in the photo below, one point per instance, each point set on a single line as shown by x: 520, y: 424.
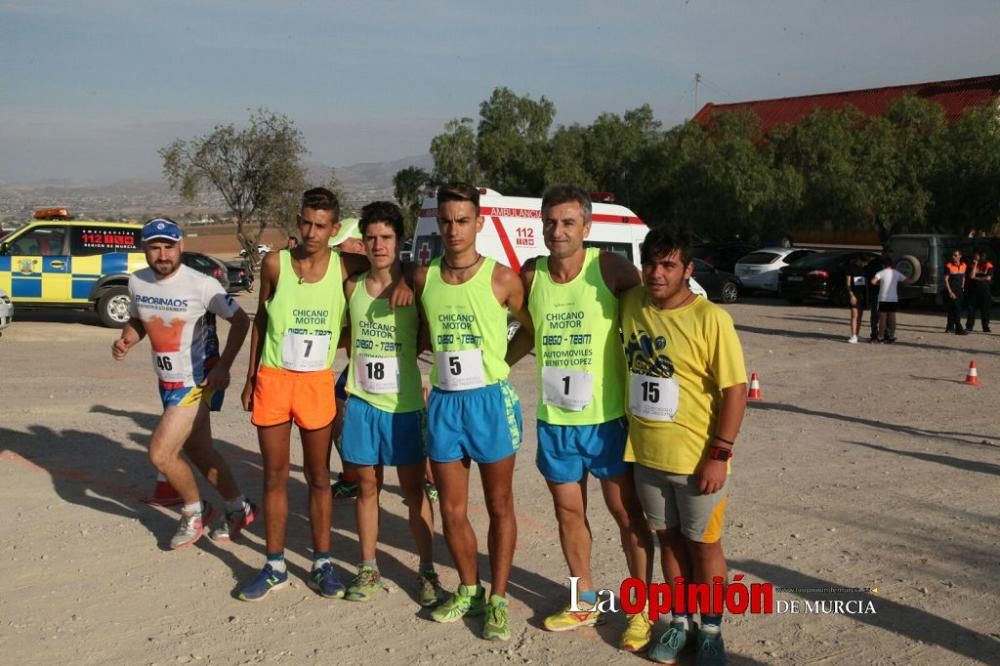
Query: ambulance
x: 512, y: 231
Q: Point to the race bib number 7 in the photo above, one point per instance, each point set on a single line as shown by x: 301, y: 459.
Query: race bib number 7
x: 460, y: 370
x: 568, y: 389
x: 653, y: 398
x: 303, y: 352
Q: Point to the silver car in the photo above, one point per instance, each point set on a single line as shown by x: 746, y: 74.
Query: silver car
x: 759, y: 269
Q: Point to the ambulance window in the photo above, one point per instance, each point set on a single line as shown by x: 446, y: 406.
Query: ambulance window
x: 624, y: 249
x: 87, y: 241
x: 40, y: 241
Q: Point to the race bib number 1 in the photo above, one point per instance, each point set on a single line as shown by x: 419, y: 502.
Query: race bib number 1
x: 303, y: 353
x: 460, y: 370
x: 568, y: 389
x: 377, y: 374
x: 170, y: 366
x: 653, y: 398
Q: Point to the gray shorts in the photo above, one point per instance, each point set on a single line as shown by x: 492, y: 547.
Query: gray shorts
x: 670, y: 500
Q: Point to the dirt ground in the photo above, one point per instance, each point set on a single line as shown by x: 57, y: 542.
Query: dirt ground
x: 864, y: 467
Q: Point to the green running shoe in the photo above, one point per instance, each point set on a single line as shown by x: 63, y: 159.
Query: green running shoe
x: 429, y: 590
x: 671, y: 643
x: 365, y: 585
x: 711, y: 649
x: 496, y: 627
x: 467, y: 600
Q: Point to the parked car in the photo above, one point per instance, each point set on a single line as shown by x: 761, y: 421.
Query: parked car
x: 821, y: 276
x: 240, y: 276
x: 723, y: 255
x: 6, y: 311
x: 921, y: 258
x: 207, y: 265
x: 759, y: 269
x: 72, y: 264
x: 718, y: 284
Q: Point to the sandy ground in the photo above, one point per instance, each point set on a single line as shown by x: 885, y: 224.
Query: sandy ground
x: 865, y: 466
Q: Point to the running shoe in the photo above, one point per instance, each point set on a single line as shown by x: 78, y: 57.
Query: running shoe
x: 343, y: 488
x: 638, y: 632
x: 711, y: 649
x: 324, y: 580
x: 431, y: 490
x: 365, y: 585
x: 853, y: 340
x: 567, y: 619
x: 496, y: 628
x: 235, y: 523
x: 460, y: 604
x: 266, y: 581
x: 671, y: 643
x: 192, y: 525
x: 429, y: 590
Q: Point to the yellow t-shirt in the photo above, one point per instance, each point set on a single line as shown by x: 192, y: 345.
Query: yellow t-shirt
x: 679, y: 361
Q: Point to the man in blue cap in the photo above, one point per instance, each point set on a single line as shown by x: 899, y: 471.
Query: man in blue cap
x: 176, y: 307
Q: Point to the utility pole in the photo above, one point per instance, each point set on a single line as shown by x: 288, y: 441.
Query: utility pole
x: 697, y: 80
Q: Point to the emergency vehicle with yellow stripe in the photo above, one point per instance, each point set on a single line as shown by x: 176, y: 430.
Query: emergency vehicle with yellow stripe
x: 512, y: 231
x: 62, y: 263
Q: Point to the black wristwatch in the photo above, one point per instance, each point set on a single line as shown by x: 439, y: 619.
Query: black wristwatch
x: 720, y: 453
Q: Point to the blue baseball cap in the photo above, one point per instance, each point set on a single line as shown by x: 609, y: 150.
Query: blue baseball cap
x: 161, y: 227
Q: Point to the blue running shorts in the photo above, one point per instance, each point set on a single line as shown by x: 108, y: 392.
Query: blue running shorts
x: 192, y: 395
x: 566, y: 452
x: 372, y: 436
x: 483, y: 424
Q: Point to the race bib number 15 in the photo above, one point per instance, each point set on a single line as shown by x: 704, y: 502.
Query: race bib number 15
x: 653, y: 398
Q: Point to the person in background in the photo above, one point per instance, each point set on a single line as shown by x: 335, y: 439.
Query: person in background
x: 871, y: 294
x: 888, y: 280
x: 954, y: 290
x: 979, y: 296
x: 857, y: 288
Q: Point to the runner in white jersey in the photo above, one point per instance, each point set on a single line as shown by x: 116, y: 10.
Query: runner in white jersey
x: 176, y: 307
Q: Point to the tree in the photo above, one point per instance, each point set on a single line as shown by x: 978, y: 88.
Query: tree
x: 512, y: 141
x: 454, y: 153
x: 257, y: 170
x: 966, y: 186
x: 409, y: 185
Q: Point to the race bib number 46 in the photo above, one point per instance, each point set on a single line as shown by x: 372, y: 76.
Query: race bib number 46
x: 377, y: 375
x: 171, y: 366
x: 567, y: 389
x: 303, y: 352
x: 460, y: 370
x: 653, y: 398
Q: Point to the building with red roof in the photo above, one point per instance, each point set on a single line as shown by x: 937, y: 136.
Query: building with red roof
x: 953, y: 96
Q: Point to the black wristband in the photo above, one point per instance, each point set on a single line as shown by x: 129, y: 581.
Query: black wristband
x: 723, y: 439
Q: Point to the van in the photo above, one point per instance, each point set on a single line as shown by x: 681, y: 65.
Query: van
x: 921, y: 258
x: 72, y: 264
x: 512, y: 231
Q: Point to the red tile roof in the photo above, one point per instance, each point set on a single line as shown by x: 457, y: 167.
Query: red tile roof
x: 954, y: 96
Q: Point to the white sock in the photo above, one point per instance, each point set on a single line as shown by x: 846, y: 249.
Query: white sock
x: 320, y: 562
x: 192, y: 509
x: 278, y: 566
x: 683, y: 619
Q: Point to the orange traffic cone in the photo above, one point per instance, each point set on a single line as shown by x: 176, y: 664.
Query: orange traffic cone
x: 164, y: 494
x: 972, y: 376
x: 754, y: 393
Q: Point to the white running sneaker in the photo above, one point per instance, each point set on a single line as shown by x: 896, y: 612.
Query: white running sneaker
x: 853, y: 340
x: 191, y: 526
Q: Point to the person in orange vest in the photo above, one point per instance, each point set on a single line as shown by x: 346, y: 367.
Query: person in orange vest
x: 980, y: 296
x: 954, y: 290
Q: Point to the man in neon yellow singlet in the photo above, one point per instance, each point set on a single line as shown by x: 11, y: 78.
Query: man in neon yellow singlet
x: 473, y: 413
x: 384, y: 413
x: 573, y: 297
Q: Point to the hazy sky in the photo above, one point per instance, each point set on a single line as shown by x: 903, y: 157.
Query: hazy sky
x: 90, y: 89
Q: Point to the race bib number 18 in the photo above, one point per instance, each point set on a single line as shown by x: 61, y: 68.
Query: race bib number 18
x: 304, y: 353
x: 653, y: 398
x: 568, y: 389
x: 460, y: 370
x: 377, y: 374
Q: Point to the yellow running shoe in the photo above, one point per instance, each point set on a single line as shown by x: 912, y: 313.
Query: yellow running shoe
x: 638, y: 632
x: 567, y: 619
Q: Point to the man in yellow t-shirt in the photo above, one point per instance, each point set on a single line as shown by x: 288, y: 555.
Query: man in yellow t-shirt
x: 686, y: 398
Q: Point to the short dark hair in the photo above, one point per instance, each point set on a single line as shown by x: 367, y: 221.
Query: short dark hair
x: 320, y: 198
x: 382, y: 211
x: 566, y: 193
x: 458, y: 192
x: 660, y: 242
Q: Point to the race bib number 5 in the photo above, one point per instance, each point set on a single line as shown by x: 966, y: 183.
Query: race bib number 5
x: 460, y: 370
x: 377, y: 374
x: 653, y: 398
x: 303, y: 352
x: 567, y: 389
